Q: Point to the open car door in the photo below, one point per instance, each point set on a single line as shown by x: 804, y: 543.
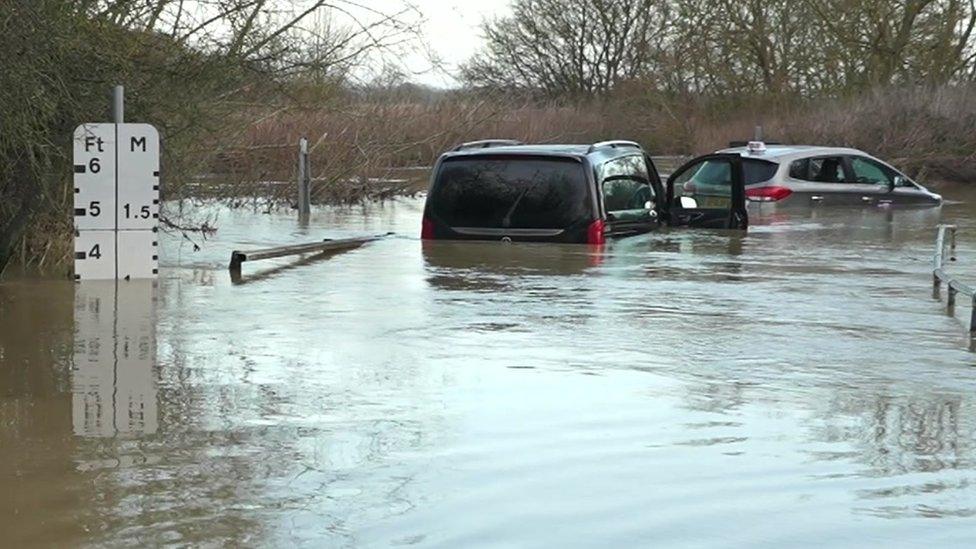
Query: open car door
x: 708, y: 192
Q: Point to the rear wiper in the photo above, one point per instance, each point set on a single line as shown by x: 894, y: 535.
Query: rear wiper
x: 507, y: 220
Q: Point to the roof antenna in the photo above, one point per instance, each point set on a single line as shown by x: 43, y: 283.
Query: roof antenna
x: 759, y: 133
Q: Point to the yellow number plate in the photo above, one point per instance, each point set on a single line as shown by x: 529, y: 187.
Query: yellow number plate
x: 714, y: 202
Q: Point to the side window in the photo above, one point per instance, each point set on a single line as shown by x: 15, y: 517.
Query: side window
x: 870, y: 172
x: 800, y: 169
x: 706, y: 185
x: 826, y: 169
x: 758, y: 171
x: 625, y: 187
x: 628, y: 165
x: 622, y: 194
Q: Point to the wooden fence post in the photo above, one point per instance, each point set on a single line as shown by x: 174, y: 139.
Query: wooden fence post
x: 304, y: 180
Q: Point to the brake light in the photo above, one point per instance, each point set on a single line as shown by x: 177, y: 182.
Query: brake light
x: 427, y: 229
x: 594, y: 233
x: 767, y: 194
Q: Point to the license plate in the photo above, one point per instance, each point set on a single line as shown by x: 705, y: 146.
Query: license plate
x: 714, y: 202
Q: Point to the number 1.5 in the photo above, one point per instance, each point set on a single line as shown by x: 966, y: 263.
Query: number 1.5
x: 143, y: 212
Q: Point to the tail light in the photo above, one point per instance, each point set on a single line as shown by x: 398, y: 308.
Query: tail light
x: 594, y: 233
x: 427, y: 229
x: 767, y: 194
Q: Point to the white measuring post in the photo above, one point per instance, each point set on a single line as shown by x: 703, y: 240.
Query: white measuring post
x: 116, y: 206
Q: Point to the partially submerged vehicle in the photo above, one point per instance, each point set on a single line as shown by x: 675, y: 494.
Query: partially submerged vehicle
x: 509, y: 191
x: 803, y: 175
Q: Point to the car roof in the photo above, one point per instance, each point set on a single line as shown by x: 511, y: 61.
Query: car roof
x: 787, y: 153
x: 597, y: 153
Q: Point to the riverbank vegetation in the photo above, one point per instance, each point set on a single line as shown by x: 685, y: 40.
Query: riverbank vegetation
x: 232, y: 85
x: 201, y: 72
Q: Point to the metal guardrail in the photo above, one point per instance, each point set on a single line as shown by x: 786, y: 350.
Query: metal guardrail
x: 946, y: 241
x: 238, y: 257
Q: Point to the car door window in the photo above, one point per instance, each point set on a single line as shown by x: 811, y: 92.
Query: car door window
x: 708, y: 192
x: 824, y: 169
x: 625, y: 197
x: 829, y: 169
x: 706, y: 186
x: 800, y: 169
x: 627, y: 193
x: 869, y: 172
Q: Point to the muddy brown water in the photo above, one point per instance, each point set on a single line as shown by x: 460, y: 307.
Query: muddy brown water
x: 795, y: 387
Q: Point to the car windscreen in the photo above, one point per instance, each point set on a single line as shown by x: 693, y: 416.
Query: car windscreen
x: 510, y: 192
x: 758, y: 171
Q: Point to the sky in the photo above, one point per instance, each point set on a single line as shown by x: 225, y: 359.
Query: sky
x: 451, y: 31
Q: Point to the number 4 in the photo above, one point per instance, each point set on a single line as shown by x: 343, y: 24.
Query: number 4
x: 96, y: 252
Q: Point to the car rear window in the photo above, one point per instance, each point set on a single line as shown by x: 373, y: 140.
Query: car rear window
x: 510, y: 192
x: 758, y: 171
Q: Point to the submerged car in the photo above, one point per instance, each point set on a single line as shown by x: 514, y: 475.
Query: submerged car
x: 510, y: 191
x: 801, y: 175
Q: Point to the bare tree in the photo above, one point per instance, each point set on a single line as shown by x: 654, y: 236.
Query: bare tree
x: 201, y: 70
x: 578, y: 48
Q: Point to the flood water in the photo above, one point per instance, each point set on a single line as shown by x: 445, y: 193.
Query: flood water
x: 798, y: 386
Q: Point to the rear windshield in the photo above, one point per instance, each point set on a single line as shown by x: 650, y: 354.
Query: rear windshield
x: 510, y: 192
x: 758, y: 171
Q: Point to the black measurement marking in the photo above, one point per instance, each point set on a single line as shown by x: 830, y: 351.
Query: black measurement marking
x: 155, y: 271
x: 80, y: 255
x: 77, y: 190
x: 80, y: 212
x: 80, y: 168
x: 155, y: 258
x: 156, y: 173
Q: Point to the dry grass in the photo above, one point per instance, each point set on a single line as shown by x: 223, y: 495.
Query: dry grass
x: 925, y: 131
x: 922, y: 130
x: 363, y: 150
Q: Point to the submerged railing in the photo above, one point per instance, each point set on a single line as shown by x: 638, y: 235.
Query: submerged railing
x: 946, y: 241
x: 237, y: 257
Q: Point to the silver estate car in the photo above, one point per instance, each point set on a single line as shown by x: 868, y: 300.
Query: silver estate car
x: 800, y: 175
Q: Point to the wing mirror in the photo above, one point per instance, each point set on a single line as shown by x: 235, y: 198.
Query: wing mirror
x: 899, y: 181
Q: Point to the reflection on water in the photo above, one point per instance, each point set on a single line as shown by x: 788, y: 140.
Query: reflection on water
x: 113, y: 391
x: 677, y: 388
